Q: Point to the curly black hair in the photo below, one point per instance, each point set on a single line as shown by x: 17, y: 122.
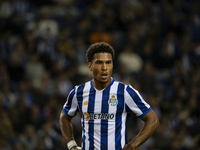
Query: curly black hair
x: 99, y: 47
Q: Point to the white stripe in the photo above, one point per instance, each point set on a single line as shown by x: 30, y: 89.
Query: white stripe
x: 97, y: 122
x: 131, y: 104
x: 111, y: 123
x: 74, y: 106
x: 123, y: 131
x: 124, y: 116
x: 86, y: 91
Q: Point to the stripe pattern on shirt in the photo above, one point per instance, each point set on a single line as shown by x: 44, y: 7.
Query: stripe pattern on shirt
x: 104, y: 113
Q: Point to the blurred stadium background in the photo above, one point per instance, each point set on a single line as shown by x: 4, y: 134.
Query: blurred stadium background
x: 42, y: 57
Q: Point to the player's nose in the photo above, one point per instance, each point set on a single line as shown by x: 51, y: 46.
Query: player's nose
x: 104, y: 66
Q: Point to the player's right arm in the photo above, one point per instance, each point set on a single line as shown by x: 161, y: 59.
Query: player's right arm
x: 68, y: 112
x: 67, y: 129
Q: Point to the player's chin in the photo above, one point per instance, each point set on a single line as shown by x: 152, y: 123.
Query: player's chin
x: 104, y: 81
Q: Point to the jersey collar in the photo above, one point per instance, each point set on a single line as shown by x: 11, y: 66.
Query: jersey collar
x: 91, y: 83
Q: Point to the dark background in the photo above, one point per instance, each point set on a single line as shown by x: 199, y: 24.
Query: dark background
x: 42, y: 57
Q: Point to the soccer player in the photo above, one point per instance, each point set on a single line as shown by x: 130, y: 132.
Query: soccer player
x: 105, y: 105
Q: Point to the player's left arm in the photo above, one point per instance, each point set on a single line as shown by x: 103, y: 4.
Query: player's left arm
x: 150, y: 126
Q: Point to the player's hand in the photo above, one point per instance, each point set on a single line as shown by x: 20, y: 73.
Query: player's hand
x: 76, y: 148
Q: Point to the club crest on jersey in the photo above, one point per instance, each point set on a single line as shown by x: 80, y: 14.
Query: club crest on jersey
x: 113, y: 101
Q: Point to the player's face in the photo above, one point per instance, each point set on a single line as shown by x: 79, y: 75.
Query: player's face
x: 101, y: 67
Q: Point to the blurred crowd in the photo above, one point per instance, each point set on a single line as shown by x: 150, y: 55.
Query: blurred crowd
x: 42, y: 57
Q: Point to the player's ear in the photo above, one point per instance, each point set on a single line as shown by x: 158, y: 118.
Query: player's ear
x: 90, y: 66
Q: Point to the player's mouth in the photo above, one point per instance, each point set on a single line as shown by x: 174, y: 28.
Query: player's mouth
x: 104, y: 75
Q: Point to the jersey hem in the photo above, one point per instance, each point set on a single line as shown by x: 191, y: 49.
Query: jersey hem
x: 67, y: 114
x: 145, y: 113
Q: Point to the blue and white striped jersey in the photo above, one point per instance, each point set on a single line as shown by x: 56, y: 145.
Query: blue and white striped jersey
x: 105, y: 113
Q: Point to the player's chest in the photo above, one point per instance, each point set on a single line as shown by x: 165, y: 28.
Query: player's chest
x: 101, y: 103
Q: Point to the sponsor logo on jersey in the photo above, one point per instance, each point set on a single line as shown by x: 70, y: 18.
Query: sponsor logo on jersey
x: 85, y: 102
x: 113, y: 101
x: 92, y: 116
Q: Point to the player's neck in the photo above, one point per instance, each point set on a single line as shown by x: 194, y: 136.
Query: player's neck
x: 101, y: 85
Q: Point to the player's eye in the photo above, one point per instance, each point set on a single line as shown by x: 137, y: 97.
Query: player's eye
x: 108, y: 62
x: 98, y: 62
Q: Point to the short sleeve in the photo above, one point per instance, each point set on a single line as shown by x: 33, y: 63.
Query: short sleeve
x: 71, y: 105
x: 135, y: 102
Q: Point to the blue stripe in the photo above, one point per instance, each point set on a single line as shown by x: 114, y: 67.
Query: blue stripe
x: 80, y: 96
x: 137, y: 100
x: 118, y: 121
x: 91, y: 105
x: 126, y: 128
x: 104, y: 122
x: 71, y: 95
x: 145, y: 112
x: 80, y: 101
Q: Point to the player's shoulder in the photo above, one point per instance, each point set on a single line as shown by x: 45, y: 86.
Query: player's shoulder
x: 84, y: 84
x: 120, y: 82
x: 128, y: 87
x: 81, y: 86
